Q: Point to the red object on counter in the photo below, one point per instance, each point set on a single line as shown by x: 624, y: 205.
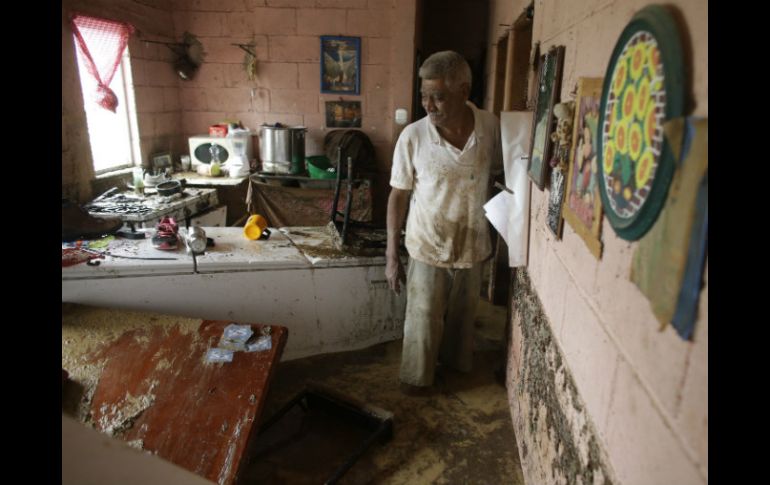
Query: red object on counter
x: 73, y: 256
x: 218, y: 130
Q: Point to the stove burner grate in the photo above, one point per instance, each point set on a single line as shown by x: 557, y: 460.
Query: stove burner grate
x: 120, y: 209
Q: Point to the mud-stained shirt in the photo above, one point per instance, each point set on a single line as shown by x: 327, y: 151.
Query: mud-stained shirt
x: 446, y: 226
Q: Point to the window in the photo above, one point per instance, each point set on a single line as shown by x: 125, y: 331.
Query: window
x: 113, y: 136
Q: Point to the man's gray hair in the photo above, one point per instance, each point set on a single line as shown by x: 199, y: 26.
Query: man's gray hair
x: 449, y: 66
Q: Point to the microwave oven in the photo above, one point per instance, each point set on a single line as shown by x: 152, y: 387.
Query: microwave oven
x: 204, y: 147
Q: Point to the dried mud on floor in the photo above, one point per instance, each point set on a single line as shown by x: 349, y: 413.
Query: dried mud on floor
x: 460, y: 434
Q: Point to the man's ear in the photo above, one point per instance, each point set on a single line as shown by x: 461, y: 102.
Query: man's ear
x: 465, y: 89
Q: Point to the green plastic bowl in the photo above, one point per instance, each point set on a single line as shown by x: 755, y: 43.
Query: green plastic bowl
x: 319, y: 167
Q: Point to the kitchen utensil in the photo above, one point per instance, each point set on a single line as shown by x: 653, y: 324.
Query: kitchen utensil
x: 319, y: 167
x: 151, y: 179
x: 255, y: 227
x: 196, y: 240
x: 282, y: 149
x: 171, y: 187
x: 132, y: 234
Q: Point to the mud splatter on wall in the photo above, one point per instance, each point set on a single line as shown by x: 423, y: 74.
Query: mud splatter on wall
x: 550, y: 419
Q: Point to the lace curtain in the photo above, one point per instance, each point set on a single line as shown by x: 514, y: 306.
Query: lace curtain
x: 101, y: 44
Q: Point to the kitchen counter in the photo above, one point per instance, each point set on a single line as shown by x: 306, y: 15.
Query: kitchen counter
x: 329, y: 300
x: 194, y: 179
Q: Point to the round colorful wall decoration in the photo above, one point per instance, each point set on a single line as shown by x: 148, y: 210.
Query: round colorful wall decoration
x: 643, y: 88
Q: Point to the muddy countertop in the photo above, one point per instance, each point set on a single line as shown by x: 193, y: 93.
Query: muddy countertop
x: 287, y: 248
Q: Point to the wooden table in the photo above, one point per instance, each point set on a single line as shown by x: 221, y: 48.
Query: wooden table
x: 157, y: 392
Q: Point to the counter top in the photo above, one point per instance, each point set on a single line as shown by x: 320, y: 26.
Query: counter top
x: 194, y: 179
x: 233, y: 252
x: 287, y: 248
x: 316, y: 244
x: 175, y: 261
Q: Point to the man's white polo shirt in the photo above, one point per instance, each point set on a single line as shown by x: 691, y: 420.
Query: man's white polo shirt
x: 446, y: 226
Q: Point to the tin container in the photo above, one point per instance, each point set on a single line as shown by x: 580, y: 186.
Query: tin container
x: 196, y: 240
x: 282, y: 149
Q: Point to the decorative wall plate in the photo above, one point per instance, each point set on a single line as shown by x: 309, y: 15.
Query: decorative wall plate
x: 643, y: 88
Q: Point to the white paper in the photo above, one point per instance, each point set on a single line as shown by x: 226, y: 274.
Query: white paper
x: 497, y: 210
x: 515, y: 128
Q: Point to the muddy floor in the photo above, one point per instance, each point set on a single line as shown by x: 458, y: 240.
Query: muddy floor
x: 462, y: 433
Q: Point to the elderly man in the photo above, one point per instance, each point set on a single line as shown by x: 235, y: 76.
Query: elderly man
x: 441, y: 170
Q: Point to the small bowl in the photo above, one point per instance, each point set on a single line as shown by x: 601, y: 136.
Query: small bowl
x: 171, y: 187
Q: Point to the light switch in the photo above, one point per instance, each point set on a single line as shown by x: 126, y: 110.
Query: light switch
x: 401, y: 116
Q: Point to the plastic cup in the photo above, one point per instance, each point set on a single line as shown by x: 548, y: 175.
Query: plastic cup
x: 138, y: 180
x: 255, y: 226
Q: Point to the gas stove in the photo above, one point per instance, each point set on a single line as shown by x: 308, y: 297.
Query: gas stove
x: 147, y: 210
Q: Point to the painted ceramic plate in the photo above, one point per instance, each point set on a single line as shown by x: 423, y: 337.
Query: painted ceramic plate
x: 643, y: 88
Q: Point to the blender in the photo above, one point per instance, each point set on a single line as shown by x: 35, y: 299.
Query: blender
x: 238, y: 165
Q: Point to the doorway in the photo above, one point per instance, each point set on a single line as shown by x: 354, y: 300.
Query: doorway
x: 458, y: 25
x: 512, y: 76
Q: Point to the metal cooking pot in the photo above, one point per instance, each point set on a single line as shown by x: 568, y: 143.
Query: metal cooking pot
x: 171, y: 187
x: 282, y: 149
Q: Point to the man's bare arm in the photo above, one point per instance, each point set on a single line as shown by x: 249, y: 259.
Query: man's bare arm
x: 398, y: 202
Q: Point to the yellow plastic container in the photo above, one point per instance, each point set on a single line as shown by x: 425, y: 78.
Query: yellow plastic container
x: 255, y: 226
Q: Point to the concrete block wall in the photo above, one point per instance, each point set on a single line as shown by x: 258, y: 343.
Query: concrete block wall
x: 643, y: 390
x: 285, y: 34
x: 156, y: 91
x: 287, y: 88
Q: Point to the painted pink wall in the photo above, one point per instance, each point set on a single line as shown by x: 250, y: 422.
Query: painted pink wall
x: 644, y: 389
x: 287, y: 90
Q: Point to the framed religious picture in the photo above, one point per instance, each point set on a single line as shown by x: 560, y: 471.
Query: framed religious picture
x: 554, y: 217
x: 582, y: 207
x: 161, y: 161
x: 548, y: 87
x: 643, y: 88
x: 340, y: 65
x: 561, y: 139
x: 343, y: 114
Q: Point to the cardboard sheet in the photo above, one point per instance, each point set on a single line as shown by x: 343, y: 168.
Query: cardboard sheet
x: 667, y: 265
x: 515, y: 129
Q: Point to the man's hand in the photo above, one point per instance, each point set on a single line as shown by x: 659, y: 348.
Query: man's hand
x: 394, y: 272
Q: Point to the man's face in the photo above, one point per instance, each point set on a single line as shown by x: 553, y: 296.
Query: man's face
x: 442, y: 105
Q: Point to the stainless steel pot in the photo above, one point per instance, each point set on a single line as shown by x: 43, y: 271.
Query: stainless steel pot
x: 282, y: 149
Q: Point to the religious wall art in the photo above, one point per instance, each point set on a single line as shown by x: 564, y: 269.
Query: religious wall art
x: 548, y: 87
x: 560, y: 139
x: 340, y: 65
x: 582, y: 207
x: 343, y: 114
x: 643, y: 88
x: 161, y: 161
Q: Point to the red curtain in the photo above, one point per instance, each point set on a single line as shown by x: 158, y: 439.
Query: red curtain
x: 101, y: 44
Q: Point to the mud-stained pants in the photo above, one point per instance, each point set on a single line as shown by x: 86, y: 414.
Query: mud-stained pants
x: 440, y: 308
